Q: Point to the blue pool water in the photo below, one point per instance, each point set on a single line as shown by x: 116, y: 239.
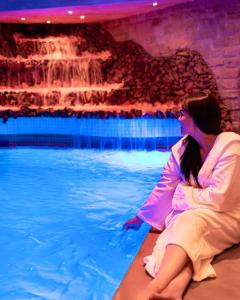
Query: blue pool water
x: 61, y: 216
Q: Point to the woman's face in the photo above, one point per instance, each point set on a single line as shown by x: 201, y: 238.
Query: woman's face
x: 187, y: 123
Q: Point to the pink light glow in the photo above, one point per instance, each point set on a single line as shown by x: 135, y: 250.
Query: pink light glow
x: 94, y: 13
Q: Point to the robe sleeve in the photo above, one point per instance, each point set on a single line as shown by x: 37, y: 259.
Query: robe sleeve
x: 223, y: 192
x: 159, y: 203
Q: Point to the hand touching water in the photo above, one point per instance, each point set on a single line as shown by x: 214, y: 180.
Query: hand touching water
x: 133, y: 224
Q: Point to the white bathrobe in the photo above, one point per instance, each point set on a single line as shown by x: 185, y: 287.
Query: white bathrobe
x: 203, y: 221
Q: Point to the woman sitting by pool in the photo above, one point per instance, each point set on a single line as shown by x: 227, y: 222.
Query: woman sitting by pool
x: 196, y: 202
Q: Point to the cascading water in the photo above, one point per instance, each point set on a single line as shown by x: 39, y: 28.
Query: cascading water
x: 49, y: 72
x: 54, y: 72
x: 118, y: 133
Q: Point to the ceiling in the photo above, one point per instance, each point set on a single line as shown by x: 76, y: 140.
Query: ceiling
x: 57, y: 11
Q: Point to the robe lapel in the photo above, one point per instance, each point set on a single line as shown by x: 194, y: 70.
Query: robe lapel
x: 222, y: 140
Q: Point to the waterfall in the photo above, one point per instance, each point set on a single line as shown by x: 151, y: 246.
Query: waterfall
x: 117, y: 133
x: 50, y: 72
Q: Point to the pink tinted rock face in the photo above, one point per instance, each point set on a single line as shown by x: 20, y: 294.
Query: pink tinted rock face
x: 210, y: 27
x: 78, y: 65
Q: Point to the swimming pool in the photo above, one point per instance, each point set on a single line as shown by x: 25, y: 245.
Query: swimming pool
x: 61, y: 216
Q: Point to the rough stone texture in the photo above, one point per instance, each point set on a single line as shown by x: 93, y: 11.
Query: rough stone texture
x: 210, y: 27
x: 25, y: 65
x: 26, y: 111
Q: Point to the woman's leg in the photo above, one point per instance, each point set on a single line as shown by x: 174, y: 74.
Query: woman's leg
x: 174, y: 261
x: 177, y: 286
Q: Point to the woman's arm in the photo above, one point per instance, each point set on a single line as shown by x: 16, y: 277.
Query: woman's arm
x: 159, y: 203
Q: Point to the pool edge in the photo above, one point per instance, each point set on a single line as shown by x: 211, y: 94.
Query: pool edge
x: 224, y: 286
x: 136, y: 278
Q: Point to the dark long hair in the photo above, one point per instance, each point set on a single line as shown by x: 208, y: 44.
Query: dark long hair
x: 206, y: 113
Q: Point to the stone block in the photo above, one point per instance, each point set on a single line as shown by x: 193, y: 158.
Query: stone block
x: 216, y: 61
x: 229, y: 84
x: 230, y: 94
x: 232, y: 51
x: 227, y: 72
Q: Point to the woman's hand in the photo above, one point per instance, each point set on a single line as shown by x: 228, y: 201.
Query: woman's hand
x: 134, y: 224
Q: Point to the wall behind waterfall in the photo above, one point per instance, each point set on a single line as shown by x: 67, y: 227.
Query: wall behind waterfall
x: 209, y: 26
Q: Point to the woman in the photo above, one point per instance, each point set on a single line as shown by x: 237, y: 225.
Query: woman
x: 196, y: 202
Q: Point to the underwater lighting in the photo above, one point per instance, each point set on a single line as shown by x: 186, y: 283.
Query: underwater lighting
x: 155, y: 4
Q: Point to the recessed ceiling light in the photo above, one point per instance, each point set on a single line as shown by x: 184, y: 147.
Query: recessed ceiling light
x: 82, y: 17
x: 155, y: 4
x: 70, y: 12
x: 23, y: 19
x: 48, y: 21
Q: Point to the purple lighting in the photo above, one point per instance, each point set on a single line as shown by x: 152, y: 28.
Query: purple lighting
x: 95, y: 10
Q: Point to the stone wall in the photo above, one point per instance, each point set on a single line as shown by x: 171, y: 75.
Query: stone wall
x: 71, y: 66
x: 211, y: 27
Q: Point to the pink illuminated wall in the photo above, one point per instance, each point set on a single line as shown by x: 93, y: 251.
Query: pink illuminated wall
x: 210, y: 27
